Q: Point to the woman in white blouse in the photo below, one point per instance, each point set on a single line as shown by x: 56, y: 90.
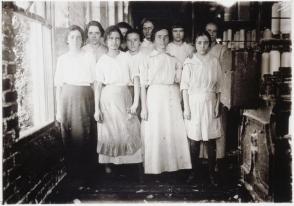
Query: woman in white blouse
x: 200, y: 83
x: 166, y: 147
x: 119, y: 139
x: 93, y: 32
x: 75, y: 104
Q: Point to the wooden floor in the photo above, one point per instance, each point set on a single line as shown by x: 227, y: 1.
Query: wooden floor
x: 124, y: 185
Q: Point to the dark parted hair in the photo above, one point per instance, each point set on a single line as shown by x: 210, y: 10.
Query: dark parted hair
x: 175, y: 26
x: 157, y: 29
x: 212, y: 22
x: 203, y: 33
x: 135, y: 31
x: 75, y: 28
x: 143, y: 21
x: 94, y: 23
x: 111, y: 29
x: 124, y: 25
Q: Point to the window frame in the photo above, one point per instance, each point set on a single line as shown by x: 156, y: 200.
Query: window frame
x: 48, y: 22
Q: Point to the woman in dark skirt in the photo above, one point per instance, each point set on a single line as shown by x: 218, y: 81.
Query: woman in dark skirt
x: 74, y: 78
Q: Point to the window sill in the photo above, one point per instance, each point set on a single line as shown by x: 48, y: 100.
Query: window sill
x: 35, y: 130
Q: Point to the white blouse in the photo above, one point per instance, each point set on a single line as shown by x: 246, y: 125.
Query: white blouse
x: 181, y: 52
x: 75, y: 69
x: 160, y: 68
x: 146, y: 47
x: 96, y: 51
x: 115, y: 70
x: 136, y: 63
x: 201, y: 75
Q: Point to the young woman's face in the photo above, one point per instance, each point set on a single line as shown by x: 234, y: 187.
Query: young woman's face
x: 161, y: 39
x: 147, y: 29
x: 133, y: 42
x: 113, y: 40
x: 74, y: 39
x: 178, y: 34
x: 94, y: 35
x: 212, y: 30
x: 202, y: 44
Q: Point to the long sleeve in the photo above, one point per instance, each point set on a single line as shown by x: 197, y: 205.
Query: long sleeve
x: 92, y: 64
x: 178, y: 71
x: 100, y: 77
x: 143, y: 69
x: 186, y: 76
x: 219, y: 78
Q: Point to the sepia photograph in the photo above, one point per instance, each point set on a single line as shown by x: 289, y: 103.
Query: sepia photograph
x: 147, y: 102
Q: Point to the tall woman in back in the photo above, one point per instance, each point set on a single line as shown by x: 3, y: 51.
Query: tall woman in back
x: 75, y: 104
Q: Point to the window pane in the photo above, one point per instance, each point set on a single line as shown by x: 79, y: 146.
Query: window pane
x: 34, y: 67
x: 35, y: 7
x: 61, y: 14
x: 23, y: 4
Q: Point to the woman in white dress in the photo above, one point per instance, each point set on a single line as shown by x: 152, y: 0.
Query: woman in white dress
x: 74, y: 79
x: 201, y: 80
x: 166, y: 145
x: 119, y: 140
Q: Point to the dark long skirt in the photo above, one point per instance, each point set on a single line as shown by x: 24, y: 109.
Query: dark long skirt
x: 79, y: 131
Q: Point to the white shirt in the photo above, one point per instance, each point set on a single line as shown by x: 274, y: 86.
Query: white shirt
x: 160, y: 68
x: 136, y: 62
x: 201, y: 75
x: 181, y: 52
x: 75, y: 69
x: 96, y: 51
x: 146, y: 46
x: 114, y: 70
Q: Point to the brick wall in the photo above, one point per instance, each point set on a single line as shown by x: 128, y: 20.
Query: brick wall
x: 32, y: 166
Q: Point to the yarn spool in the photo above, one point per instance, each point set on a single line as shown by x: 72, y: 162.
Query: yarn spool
x: 253, y: 38
x: 285, y: 21
x: 286, y: 59
x: 242, y: 39
x: 275, y: 24
x: 274, y: 61
x: 267, y: 34
x: 230, y: 35
x: 236, y: 40
x: 227, y: 14
x: 225, y: 38
x: 248, y: 39
x: 265, y: 63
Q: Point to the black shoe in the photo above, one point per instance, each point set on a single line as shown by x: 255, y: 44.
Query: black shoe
x: 212, y: 181
x: 191, y: 178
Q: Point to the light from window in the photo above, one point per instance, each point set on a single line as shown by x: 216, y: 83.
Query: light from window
x: 34, y: 73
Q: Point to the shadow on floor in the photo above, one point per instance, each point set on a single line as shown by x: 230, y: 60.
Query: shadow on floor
x: 125, y: 185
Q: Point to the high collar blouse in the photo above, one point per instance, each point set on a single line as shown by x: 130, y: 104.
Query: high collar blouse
x: 201, y: 75
x: 181, y: 52
x: 160, y: 68
x: 146, y: 47
x: 75, y: 69
x: 115, y: 70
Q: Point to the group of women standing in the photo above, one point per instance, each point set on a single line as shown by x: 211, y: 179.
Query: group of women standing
x: 104, y: 82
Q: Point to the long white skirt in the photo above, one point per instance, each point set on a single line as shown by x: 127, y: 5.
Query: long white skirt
x: 119, y: 139
x: 166, y: 145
